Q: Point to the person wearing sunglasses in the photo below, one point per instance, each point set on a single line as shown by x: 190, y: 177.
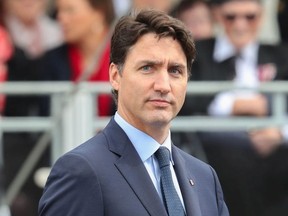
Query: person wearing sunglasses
x: 242, y: 158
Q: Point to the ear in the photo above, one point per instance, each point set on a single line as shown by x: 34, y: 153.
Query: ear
x: 114, y: 76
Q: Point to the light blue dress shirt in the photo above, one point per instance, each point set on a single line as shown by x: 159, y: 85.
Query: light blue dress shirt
x: 146, y: 146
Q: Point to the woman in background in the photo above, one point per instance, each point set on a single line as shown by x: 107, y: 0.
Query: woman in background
x: 85, y: 54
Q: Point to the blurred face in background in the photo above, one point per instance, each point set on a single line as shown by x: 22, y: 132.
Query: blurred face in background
x: 163, y: 5
x: 79, y: 20
x: 241, y: 21
x: 25, y: 10
x: 198, y: 19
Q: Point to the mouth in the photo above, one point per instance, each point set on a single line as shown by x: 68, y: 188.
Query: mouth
x: 160, y: 103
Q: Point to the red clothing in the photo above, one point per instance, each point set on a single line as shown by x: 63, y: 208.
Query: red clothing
x: 100, y: 74
x: 5, y: 53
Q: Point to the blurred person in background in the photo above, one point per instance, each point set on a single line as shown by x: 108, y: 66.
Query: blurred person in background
x: 6, y: 51
x: 85, y: 54
x: 243, y: 160
x: 197, y: 16
x: 30, y: 27
x: 32, y: 33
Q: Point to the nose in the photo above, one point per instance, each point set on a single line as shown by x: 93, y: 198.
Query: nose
x: 162, y: 82
x: 241, y: 22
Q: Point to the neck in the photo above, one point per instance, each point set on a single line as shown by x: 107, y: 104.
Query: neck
x: 158, y: 133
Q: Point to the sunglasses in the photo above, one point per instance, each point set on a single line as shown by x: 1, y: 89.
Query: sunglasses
x: 250, y: 17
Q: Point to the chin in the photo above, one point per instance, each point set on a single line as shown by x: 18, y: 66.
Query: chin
x: 159, y: 119
x: 159, y: 124
x: 241, y: 42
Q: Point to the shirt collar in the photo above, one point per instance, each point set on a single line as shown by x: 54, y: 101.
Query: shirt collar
x: 250, y: 52
x: 224, y: 50
x: 144, y: 144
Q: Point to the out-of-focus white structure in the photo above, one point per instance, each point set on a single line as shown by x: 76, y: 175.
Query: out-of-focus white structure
x: 269, y: 32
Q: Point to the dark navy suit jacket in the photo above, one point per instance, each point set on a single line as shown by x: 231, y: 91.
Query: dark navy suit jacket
x: 105, y: 176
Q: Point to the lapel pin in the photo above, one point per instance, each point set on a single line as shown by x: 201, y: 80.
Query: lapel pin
x: 191, y: 182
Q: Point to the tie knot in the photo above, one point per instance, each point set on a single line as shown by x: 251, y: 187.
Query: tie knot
x: 163, y: 156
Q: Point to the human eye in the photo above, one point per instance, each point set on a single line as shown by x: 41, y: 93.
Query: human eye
x: 146, y: 68
x: 176, y: 71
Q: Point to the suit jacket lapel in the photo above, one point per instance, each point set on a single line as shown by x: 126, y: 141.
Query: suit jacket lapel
x: 188, y: 190
x: 133, y: 170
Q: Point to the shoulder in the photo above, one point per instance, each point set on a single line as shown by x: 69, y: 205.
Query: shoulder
x: 276, y: 53
x: 275, y: 48
x: 57, y: 56
x: 98, y: 151
x: 90, y: 153
x: 73, y: 186
x: 57, y: 63
x: 59, y: 50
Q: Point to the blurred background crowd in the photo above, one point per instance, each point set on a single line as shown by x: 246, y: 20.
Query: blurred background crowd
x: 243, y: 41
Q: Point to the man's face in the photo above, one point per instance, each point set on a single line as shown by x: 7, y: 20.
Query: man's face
x: 241, y: 21
x: 152, y: 84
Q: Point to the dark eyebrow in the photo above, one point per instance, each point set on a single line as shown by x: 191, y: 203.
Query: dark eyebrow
x: 171, y: 64
x: 149, y: 62
x: 181, y: 66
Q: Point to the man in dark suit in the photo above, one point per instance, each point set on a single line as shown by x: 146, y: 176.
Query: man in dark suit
x: 236, y: 55
x: 234, y: 50
x: 116, y: 172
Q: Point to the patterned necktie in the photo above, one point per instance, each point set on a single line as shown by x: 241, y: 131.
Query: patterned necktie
x: 171, y: 199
